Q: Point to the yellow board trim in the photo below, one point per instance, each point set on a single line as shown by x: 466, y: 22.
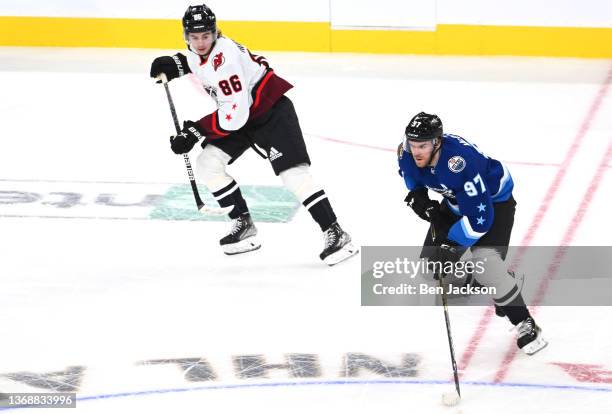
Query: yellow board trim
x: 289, y: 36
x: 313, y: 37
x: 450, y: 39
x: 155, y: 33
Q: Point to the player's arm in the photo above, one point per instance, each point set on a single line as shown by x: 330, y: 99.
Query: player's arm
x: 173, y: 66
x: 232, y: 102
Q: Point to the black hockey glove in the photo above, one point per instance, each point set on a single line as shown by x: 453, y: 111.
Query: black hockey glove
x: 188, y: 137
x: 419, y: 202
x: 448, y: 252
x: 173, y: 66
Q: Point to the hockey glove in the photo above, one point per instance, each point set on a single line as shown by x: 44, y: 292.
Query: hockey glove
x: 187, y: 138
x: 419, y: 202
x: 173, y: 66
x: 448, y: 253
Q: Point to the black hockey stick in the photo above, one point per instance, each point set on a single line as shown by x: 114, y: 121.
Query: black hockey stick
x: 194, y: 187
x: 447, y: 320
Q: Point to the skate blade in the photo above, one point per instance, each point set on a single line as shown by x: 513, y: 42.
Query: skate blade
x: 536, y: 345
x: 341, y: 255
x: 243, y: 246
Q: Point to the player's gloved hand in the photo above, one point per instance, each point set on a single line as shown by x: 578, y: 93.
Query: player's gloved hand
x: 448, y: 252
x: 419, y: 202
x: 173, y: 66
x: 187, y: 138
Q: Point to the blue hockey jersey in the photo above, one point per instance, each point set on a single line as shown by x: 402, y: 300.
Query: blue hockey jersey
x: 469, y: 181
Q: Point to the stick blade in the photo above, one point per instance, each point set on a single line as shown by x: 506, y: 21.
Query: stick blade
x: 451, y: 399
x: 214, y: 211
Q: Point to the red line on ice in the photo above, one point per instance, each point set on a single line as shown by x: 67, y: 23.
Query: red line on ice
x: 560, y: 252
x: 356, y: 144
x: 194, y: 80
x: 536, y: 221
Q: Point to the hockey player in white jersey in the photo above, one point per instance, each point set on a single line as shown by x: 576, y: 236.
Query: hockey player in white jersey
x: 252, y: 112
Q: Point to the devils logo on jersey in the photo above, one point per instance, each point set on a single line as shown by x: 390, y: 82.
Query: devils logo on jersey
x: 218, y: 60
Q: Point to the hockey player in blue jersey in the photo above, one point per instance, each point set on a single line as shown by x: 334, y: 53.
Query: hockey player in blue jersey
x: 477, y: 212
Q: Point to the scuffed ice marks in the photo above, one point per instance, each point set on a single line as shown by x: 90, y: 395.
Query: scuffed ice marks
x: 68, y: 380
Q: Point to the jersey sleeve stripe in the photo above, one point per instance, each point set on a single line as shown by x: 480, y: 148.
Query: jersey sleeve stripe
x: 261, y: 87
x: 503, y: 181
x: 463, y: 233
x: 468, y: 230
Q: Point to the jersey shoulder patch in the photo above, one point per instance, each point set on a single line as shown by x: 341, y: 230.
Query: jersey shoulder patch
x: 456, y: 164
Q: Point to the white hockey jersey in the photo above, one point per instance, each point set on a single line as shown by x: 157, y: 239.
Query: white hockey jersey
x: 242, y: 84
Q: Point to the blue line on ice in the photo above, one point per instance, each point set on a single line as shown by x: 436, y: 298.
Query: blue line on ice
x: 336, y: 382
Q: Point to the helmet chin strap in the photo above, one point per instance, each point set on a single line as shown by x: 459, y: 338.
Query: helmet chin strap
x: 215, y: 37
x: 435, y: 151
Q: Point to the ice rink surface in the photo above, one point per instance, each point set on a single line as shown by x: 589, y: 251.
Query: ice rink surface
x: 136, y: 309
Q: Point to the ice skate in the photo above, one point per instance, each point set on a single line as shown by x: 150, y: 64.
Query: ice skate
x: 338, y: 246
x: 242, y: 237
x: 530, y: 337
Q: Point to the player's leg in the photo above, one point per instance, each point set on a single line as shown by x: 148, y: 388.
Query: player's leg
x: 280, y: 135
x: 498, y: 239
x: 491, y: 249
x: 211, y: 168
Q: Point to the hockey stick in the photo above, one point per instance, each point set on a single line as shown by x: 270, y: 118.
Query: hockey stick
x: 448, y: 399
x: 203, y: 208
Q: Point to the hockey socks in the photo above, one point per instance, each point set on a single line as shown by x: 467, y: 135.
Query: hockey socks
x: 300, y: 182
x: 516, y: 310
x: 320, y: 209
x: 338, y: 246
x: 230, y: 195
